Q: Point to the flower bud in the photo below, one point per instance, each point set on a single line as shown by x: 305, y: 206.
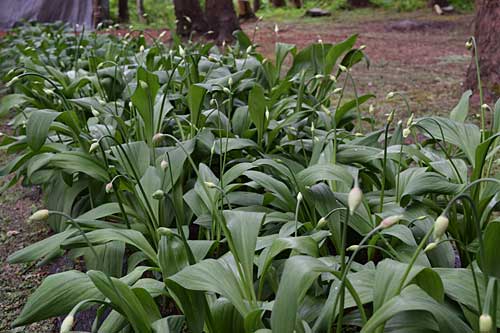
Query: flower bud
x: 352, y: 248
x: 276, y: 29
x: 299, y: 197
x: 410, y: 120
x: 210, y: 185
x: 230, y: 81
x: 343, y: 68
x: 182, y: 53
x: 390, y: 221
x: 371, y: 109
x: 109, y: 187
x: 157, y: 137
x: 141, y: 48
x: 354, y: 199
x: 163, y: 33
x: 67, y: 324
x: 39, y: 215
x: 95, y: 113
x: 468, y: 44
x: 390, y: 95
x: 390, y: 118
x: 267, y: 114
x: 321, y: 223
x: 430, y: 247
x: 143, y: 85
x: 158, y: 195
x: 336, y: 90
x: 163, y: 164
x: 485, y: 323
x: 226, y: 90
x: 440, y: 226
x: 93, y: 147
x: 165, y: 231
x: 485, y: 107
x: 406, y: 132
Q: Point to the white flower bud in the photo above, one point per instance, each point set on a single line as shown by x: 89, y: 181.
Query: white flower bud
x: 440, y: 227
x: 93, y: 147
x: 165, y: 231
x: 95, y: 113
x: 354, y: 199
x: 485, y: 323
x: 158, y: 195
x: 67, y: 324
x: 390, y: 95
x: 406, y: 132
x: 267, y: 114
x: 182, y: 53
x: 390, y: 118
x: 163, y: 164
x: 485, y: 107
x: 390, y: 221
x: 352, y: 248
x: 321, y: 223
x: 299, y: 197
x: 230, y: 81
x: 276, y: 29
x: 371, y: 109
x: 163, y: 33
x: 337, y: 90
x: 226, y: 90
x: 210, y: 185
x: 39, y: 215
x: 109, y: 187
x: 343, y: 68
x: 143, y: 85
x: 333, y: 78
x: 362, y: 47
x: 157, y: 137
x: 430, y: 247
x: 141, y: 49
x: 468, y: 44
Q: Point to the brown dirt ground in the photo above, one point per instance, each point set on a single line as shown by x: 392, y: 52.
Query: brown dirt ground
x: 417, y: 53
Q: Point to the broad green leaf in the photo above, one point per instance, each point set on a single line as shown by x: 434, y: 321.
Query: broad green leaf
x: 124, y: 298
x: 195, y: 97
x: 42, y: 248
x: 244, y: 228
x: 37, y: 127
x: 10, y: 101
x: 56, y: 296
x: 413, y: 298
x: 103, y: 236
x: 491, y: 239
x: 257, y: 109
x: 459, y: 112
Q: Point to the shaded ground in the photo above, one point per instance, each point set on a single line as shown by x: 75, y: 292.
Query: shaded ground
x: 417, y: 53
x: 17, y: 282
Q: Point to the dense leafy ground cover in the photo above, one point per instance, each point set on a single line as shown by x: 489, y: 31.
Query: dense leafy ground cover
x: 218, y: 191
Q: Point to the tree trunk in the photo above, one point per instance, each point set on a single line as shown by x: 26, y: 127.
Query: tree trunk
x: 278, y: 3
x: 256, y: 5
x: 297, y: 3
x: 221, y: 18
x: 189, y: 17
x: 98, y: 14
x: 123, y: 16
x: 245, y: 10
x: 140, y: 10
x: 486, y: 33
x: 358, y: 3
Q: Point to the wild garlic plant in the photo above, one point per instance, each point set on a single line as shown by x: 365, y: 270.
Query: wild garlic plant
x: 213, y: 190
